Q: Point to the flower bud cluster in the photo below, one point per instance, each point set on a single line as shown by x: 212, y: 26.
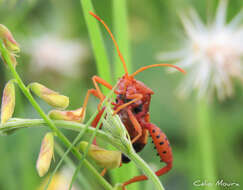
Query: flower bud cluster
x: 10, y: 44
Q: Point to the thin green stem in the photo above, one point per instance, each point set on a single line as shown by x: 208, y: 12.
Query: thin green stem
x: 121, y: 31
x: 52, y: 126
x: 205, y: 143
x: 78, y: 138
x: 97, y: 42
x: 70, y: 148
x: 15, y: 124
x: 86, y: 151
x: 71, y: 164
x: 122, y: 36
x: 145, y: 168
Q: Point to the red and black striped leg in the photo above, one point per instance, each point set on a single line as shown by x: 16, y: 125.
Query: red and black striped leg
x: 163, y: 148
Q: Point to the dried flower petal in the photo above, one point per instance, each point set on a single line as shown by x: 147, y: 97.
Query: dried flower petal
x: 45, y: 155
x: 71, y: 115
x: 8, y: 102
x: 104, y: 158
x: 49, y: 96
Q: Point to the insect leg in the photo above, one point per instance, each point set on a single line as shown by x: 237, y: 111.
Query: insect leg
x: 90, y: 91
x: 136, y: 126
x: 103, y: 172
x: 135, y: 98
x: 164, y: 151
x: 97, y: 80
x: 96, y: 92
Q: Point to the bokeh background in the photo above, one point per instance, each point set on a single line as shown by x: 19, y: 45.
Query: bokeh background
x: 56, y: 51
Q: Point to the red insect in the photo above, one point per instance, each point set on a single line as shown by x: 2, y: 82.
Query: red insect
x: 132, y: 106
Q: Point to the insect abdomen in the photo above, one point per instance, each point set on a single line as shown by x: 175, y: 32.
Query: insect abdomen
x: 161, y: 143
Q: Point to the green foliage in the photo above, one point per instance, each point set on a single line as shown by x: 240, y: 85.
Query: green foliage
x: 153, y: 26
x: 96, y: 38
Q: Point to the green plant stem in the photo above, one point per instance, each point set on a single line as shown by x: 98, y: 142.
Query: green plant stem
x: 97, y: 42
x: 15, y: 124
x: 86, y: 150
x: 71, y: 164
x: 49, y: 122
x: 145, y: 168
x: 78, y: 137
x: 121, y: 31
x: 70, y: 148
x: 205, y: 143
x: 122, y: 36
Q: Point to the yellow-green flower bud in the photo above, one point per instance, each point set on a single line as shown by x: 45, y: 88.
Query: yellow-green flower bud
x: 49, y: 96
x: 71, y: 115
x: 8, y: 102
x: 104, y: 158
x: 45, y: 155
x: 8, y: 39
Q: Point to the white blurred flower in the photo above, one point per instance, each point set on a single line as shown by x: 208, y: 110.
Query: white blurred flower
x: 52, y: 53
x: 212, y: 55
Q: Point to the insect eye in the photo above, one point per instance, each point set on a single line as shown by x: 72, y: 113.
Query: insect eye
x: 138, y: 109
x: 127, y: 100
x: 120, y: 96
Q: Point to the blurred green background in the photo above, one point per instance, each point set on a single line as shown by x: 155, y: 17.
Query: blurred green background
x: 56, y: 51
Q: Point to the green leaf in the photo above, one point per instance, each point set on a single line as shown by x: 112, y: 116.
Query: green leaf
x: 97, y: 42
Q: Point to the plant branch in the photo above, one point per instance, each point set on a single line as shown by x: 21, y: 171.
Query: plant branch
x: 205, y: 142
x: 71, y: 164
x: 86, y: 150
x: 15, y: 124
x: 49, y: 122
x: 146, y: 169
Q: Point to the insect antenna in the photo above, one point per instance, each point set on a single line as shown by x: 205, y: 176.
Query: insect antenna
x: 157, y: 65
x: 113, y: 39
